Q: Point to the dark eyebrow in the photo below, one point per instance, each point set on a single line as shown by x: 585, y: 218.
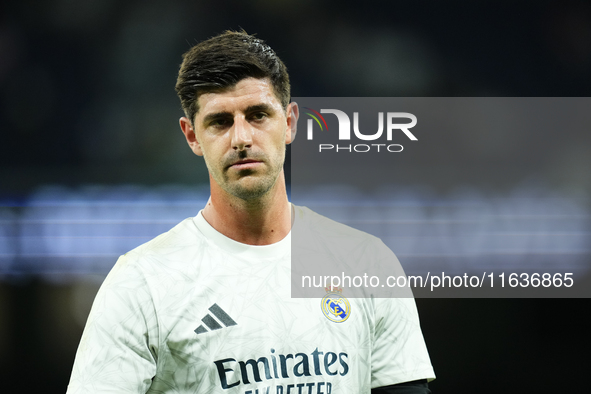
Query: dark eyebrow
x: 259, y: 107
x: 209, y: 117
x: 253, y: 108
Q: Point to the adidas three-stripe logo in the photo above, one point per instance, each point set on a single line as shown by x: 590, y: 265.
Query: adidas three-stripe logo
x: 213, y: 324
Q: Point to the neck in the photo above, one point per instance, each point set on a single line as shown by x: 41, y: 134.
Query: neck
x: 261, y: 221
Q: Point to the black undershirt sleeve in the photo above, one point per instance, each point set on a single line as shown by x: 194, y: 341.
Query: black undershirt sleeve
x: 414, y: 387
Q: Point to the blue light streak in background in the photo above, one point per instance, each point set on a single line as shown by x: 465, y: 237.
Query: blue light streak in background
x: 63, y: 234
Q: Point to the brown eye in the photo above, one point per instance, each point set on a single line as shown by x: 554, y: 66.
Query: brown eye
x: 259, y: 115
x: 219, y: 122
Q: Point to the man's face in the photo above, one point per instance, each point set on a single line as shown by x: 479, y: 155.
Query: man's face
x: 241, y: 133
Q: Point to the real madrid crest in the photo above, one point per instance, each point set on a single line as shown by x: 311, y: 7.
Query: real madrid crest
x: 335, y: 307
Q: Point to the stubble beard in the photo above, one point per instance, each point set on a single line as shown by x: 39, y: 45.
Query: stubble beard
x: 250, y: 185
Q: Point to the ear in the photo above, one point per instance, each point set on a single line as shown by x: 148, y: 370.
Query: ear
x: 292, y: 113
x: 189, y: 133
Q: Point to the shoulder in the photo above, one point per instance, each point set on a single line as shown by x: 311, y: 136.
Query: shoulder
x: 141, y: 276
x: 186, y: 232
x: 162, y: 252
x: 311, y: 222
x: 324, y: 248
x: 314, y: 231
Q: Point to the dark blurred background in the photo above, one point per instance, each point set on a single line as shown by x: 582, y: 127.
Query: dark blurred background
x: 92, y: 161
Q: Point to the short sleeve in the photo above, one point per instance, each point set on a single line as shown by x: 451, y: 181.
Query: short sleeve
x: 399, y: 352
x: 118, y: 349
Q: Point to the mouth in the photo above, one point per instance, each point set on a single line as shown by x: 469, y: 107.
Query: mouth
x: 245, y: 164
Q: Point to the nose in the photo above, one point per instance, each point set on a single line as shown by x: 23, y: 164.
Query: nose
x: 242, y: 134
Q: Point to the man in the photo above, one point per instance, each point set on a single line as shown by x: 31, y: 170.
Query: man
x: 206, y: 307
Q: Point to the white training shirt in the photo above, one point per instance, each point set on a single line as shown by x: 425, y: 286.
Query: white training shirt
x: 193, y: 311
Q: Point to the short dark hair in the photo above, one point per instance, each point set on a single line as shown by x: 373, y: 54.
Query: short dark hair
x: 222, y: 61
